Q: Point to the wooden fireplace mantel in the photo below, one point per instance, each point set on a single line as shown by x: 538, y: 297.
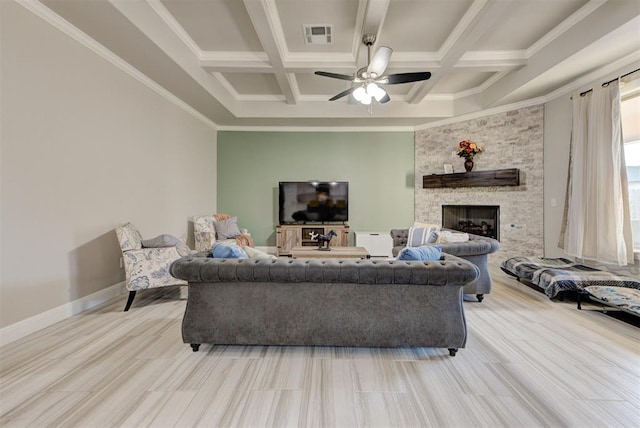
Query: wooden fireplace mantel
x: 498, y: 177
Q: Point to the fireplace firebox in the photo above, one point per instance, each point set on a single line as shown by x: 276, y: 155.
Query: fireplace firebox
x: 483, y: 220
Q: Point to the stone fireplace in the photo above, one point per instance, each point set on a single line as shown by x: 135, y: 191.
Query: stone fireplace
x: 512, y: 139
x: 483, y: 220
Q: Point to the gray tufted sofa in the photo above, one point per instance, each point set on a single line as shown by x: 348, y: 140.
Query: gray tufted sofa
x: 385, y: 303
x: 475, y: 251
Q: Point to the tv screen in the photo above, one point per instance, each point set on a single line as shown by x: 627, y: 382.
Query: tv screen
x: 313, y: 202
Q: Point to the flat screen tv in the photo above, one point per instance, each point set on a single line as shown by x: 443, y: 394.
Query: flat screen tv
x: 313, y: 202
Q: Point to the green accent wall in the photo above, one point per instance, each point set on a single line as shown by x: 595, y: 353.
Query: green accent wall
x: 378, y: 166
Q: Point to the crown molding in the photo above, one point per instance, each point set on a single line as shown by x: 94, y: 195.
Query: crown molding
x: 317, y: 128
x: 79, y: 36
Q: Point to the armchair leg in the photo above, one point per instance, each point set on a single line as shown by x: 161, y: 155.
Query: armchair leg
x: 132, y: 294
x: 479, y: 297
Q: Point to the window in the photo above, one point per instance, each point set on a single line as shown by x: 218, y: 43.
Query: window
x: 631, y: 133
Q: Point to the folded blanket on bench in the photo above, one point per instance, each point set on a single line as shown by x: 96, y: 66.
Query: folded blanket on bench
x: 577, y: 278
x: 626, y: 299
x: 524, y: 267
x: 556, y: 275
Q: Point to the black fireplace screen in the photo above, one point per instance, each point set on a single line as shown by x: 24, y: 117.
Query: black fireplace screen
x: 483, y: 220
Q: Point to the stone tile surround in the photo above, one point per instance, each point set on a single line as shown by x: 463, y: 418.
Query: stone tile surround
x: 510, y: 140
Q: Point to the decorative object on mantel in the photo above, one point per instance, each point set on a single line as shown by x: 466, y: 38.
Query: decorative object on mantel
x: 467, y: 149
x: 499, y: 177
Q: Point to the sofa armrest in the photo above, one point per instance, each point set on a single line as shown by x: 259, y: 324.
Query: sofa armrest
x: 474, y: 247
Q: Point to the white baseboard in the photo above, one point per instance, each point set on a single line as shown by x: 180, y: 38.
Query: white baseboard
x: 25, y: 327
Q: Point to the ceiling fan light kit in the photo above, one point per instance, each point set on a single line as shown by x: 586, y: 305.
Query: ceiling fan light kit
x: 370, y: 77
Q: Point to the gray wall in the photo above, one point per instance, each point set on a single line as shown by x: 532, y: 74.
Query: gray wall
x: 83, y: 148
x: 377, y: 165
x: 510, y: 140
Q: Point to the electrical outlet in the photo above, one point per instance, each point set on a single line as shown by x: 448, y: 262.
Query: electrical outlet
x: 554, y: 202
x: 121, y: 262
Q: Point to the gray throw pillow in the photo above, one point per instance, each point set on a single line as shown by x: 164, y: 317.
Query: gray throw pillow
x: 161, y: 242
x: 227, y: 229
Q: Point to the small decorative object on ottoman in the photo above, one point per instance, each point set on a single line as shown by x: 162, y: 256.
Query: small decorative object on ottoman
x: 323, y: 239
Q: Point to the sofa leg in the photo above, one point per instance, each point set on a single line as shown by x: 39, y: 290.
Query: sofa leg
x: 132, y: 294
x: 195, y: 347
x: 452, y: 351
x: 480, y: 297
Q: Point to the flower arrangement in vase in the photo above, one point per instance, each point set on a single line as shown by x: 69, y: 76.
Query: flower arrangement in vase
x: 467, y: 149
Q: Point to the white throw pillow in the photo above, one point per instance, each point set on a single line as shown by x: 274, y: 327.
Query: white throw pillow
x: 446, y: 237
x: 257, y: 254
x: 426, y: 225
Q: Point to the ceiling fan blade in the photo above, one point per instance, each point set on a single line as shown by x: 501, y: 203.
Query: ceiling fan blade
x: 395, y: 79
x: 385, y: 99
x: 334, y: 75
x: 343, y: 93
x: 380, y: 61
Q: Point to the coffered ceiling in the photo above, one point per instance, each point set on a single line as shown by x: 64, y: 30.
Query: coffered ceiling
x: 246, y: 62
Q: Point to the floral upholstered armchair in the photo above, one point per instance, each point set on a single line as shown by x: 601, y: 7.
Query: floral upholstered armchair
x: 146, y: 263
x: 206, y: 233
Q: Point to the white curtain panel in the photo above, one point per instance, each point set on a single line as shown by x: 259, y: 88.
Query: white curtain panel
x: 598, y: 221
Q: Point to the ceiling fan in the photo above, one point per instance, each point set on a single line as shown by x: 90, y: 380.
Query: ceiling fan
x: 370, y: 77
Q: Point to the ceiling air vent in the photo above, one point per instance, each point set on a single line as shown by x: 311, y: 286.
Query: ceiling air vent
x: 317, y: 34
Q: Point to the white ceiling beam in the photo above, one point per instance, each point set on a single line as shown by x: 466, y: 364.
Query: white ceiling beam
x: 311, y: 61
x: 591, y: 28
x: 496, y: 60
x: 358, y: 27
x: 481, y: 16
x: 150, y: 18
x: 243, y: 62
x: 266, y: 23
x: 373, y: 20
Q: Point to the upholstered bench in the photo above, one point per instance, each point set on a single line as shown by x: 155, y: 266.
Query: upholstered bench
x: 381, y: 303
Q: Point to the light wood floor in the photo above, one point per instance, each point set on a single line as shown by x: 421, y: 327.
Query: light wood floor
x: 528, y: 362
